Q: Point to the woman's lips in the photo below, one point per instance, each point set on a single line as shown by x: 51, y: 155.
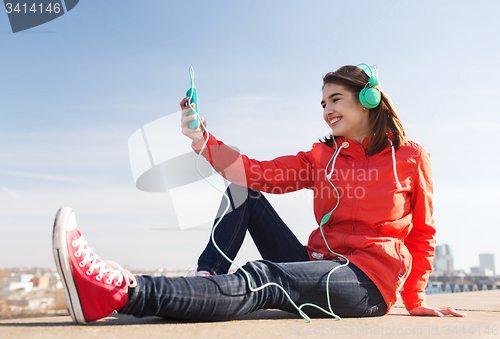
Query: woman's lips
x: 334, y: 121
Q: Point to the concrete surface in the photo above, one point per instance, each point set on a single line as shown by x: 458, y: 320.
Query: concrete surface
x: 482, y: 309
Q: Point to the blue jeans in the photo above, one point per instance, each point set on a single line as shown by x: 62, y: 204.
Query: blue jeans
x: 286, y: 263
x: 274, y: 240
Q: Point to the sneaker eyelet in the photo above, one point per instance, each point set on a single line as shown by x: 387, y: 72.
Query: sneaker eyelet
x: 78, y: 254
x: 81, y: 264
x: 88, y: 272
x: 108, y: 281
x: 98, y: 277
x: 118, y: 284
x: 73, y: 243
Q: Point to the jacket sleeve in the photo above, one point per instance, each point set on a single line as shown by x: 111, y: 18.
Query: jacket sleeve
x: 421, y: 241
x: 281, y: 175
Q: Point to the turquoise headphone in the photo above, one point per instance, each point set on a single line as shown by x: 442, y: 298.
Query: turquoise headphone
x: 369, y: 95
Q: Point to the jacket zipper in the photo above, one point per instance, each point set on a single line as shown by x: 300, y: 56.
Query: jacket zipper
x: 355, y: 200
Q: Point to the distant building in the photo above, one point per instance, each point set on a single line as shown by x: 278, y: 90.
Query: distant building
x: 443, y: 261
x: 26, y: 278
x: 476, y: 270
x: 41, y: 282
x: 17, y: 286
x: 487, y: 262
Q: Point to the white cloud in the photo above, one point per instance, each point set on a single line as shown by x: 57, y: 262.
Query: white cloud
x: 12, y: 193
x: 41, y: 176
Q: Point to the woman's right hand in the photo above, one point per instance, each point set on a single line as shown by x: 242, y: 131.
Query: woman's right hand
x: 194, y: 134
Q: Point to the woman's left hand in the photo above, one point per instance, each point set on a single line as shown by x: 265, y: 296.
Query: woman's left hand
x: 437, y: 312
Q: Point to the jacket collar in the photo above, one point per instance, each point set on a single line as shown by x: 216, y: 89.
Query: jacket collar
x: 356, y: 148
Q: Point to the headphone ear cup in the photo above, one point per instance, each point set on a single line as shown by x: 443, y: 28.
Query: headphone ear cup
x: 369, y: 97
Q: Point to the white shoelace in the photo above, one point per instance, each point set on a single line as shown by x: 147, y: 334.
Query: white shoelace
x: 104, y: 267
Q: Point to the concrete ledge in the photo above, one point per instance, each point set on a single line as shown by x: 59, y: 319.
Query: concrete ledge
x: 482, y: 309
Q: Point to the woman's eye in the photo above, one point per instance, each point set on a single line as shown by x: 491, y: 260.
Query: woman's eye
x: 335, y: 100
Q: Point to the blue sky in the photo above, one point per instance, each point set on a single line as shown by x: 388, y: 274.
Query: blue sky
x: 75, y: 89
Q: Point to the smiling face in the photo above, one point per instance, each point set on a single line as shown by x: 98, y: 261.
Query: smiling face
x: 344, y: 113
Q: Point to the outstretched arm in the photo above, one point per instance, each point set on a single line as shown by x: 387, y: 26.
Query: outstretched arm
x: 273, y: 176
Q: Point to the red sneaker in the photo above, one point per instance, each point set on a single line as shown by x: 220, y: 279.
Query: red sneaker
x: 94, y: 289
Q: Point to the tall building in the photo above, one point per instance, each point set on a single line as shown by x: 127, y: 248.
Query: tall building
x: 487, y: 262
x: 443, y: 261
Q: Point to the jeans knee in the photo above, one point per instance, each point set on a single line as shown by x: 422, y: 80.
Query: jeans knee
x: 239, y: 190
x: 240, y: 194
x: 236, y: 189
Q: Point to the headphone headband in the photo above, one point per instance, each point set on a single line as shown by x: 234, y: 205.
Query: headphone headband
x: 366, y: 68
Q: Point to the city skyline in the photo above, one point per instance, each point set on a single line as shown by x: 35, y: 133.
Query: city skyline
x: 443, y: 264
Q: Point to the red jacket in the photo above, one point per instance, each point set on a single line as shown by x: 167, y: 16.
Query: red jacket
x: 387, y: 232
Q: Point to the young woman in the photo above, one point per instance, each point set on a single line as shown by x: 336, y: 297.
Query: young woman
x: 377, y: 183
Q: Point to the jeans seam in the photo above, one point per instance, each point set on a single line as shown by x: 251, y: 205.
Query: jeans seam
x: 359, y: 283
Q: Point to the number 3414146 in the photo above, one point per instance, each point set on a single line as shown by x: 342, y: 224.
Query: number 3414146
x: 472, y: 330
x: 23, y: 8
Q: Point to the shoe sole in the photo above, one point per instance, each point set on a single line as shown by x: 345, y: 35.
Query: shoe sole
x: 61, y: 257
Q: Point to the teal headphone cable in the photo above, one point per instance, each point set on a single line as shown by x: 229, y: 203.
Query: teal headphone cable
x: 324, y: 220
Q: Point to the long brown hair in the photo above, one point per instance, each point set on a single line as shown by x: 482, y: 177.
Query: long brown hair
x: 384, y: 119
